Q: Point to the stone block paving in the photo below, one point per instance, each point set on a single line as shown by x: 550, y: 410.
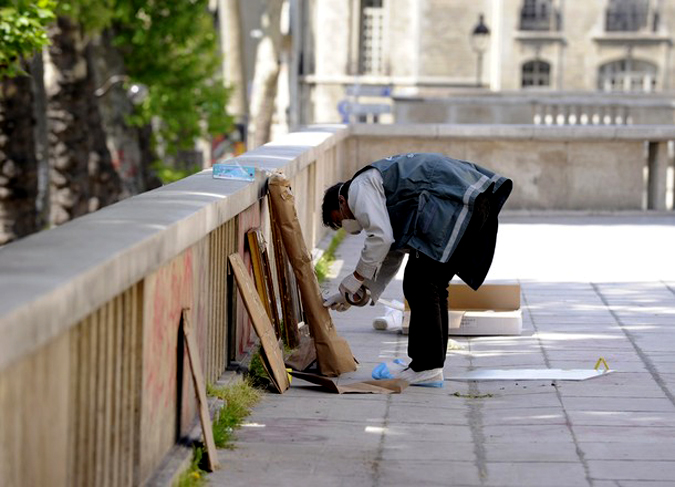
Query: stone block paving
x: 611, y: 296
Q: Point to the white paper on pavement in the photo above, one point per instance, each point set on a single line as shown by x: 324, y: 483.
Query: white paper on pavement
x: 528, y: 374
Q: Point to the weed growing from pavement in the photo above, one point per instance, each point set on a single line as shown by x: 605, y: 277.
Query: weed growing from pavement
x: 239, y: 398
x: 193, y: 476
x: 257, y: 375
x: 472, y: 396
x: 322, y: 266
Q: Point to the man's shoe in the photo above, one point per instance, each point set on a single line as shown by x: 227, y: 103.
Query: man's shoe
x: 425, y: 378
x: 398, y: 369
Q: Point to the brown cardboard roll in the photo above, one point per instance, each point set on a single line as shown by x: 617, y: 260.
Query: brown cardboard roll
x: 334, y: 355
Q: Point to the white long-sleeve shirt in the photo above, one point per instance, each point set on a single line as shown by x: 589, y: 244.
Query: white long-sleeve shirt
x: 368, y: 203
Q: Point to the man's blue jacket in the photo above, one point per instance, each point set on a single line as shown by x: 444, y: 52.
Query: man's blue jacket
x: 436, y: 202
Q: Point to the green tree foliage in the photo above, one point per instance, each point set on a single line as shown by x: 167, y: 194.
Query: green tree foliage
x: 172, y: 48
x: 92, y: 15
x: 23, y: 30
x: 169, y: 46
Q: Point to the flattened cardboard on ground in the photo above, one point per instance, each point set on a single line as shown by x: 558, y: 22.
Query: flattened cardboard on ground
x: 334, y: 356
x: 529, y: 374
x: 262, y: 324
x: 392, y: 386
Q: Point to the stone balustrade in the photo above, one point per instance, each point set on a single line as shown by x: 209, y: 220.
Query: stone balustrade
x: 537, y: 108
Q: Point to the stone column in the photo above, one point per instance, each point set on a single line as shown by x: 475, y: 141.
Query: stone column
x: 657, y: 164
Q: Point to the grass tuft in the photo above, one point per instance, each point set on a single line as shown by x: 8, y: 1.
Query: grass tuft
x: 239, y: 399
x: 322, y: 267
x: 193, y: 476
x: 257, y: 375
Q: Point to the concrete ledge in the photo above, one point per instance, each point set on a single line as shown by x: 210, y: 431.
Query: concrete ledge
x: 557, y: 98
x: 634, y: 214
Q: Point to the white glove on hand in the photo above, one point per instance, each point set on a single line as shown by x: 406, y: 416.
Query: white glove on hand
x: 350, y: 285
x: 338, y: 302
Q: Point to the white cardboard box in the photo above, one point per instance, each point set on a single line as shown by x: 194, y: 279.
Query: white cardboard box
x: 492, y: 310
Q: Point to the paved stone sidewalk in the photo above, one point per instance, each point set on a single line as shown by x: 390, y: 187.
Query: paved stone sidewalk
x: 591, y: 286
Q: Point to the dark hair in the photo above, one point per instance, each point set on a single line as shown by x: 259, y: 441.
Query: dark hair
x: 330, y: 204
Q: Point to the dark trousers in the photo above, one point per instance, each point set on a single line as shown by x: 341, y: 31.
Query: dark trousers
x: 425, y: 287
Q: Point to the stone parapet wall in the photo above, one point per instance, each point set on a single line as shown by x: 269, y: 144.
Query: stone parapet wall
x: 94, y: 383
x: 553, y: 168
x: 539, y: 109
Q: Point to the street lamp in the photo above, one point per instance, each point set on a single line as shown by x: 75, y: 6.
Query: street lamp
x: 137, y: 92
x: 480, y: 39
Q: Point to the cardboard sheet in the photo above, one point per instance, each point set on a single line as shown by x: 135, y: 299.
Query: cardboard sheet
x: 528, y: 374
x: 496, y: 297
x: 200, y: 389
x: 334, y: 356
x: 393, y: 386
x: 493, y: 310
x: 303, y: 356
x: 263, y: 275
x: 263, y: 326
x: 288, y: 289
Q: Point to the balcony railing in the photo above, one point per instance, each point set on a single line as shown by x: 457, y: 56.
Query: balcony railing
x: 631, y: 18
x: 548, y: 22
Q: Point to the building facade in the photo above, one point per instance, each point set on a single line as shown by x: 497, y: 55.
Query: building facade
x: 357, y: 56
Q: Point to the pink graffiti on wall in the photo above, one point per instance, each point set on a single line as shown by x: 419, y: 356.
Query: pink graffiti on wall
x: 200, y: 321
x: 173, y: 291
